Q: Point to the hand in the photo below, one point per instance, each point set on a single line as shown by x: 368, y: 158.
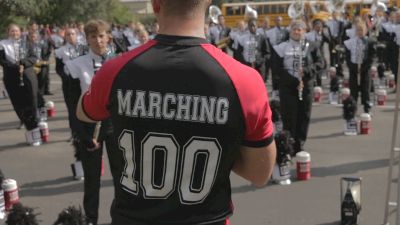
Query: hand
x: 21, y: 69
x: 96, y: 145
x: 300, y: 86
x: 301, y: 72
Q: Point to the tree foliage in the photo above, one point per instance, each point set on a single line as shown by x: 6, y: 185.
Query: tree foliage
x: 61, y: 11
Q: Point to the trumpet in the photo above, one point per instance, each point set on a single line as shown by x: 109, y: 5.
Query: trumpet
x: 38, y: 66
x: 223, y: 43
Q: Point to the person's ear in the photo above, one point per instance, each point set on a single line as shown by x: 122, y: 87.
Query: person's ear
x: 156, y: 5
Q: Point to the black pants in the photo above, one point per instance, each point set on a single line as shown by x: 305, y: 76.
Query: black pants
x: 41, y: 76
x: 91, y: 162
x: 364, y: 86
x: 65, y: 82
x: 394, y: 60
x: 23, y: 98
x: 296, y: 114
x: 336, y: 58
x: 46, y: 80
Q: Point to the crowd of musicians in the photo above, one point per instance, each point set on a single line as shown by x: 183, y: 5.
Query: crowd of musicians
x: 292, y: 58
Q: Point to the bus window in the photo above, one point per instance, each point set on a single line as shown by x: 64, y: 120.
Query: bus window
x: 241, y: 10
x: 229, y: 11
x: 273, y: 9
x: 258, y: 9
x: 266, y: 9
x: 282, y: 8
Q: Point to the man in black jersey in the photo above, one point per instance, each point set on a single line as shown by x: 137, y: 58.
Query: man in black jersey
x: 185, y: 115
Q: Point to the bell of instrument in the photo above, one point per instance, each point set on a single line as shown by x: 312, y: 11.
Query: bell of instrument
x: 250, y: 13
x: 336, y: 6
x: 296, y: 10
x: 378, y: 5
x: 213, y: 13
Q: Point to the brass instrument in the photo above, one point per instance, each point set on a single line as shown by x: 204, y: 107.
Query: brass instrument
x: 336, y: 6
x: 38, y: 66
x: 213, y: 13
x: 223, y: 43
x: 296, y: 9
x: 250, y: 13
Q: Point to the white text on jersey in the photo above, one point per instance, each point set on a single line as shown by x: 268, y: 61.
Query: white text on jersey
x: 170, y: 106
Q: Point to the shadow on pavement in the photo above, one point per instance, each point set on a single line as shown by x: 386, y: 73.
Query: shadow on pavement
x: 323, y: 119
x: 338, y: 134
x: 349, y: 168
x: 64, y: 185
x: 332, y: 223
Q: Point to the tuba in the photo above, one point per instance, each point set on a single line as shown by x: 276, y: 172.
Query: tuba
x: 213, y: 13
x: 378, y: 5
x: 336, y: 6
x: 296, y: 9
x: 250, y: 13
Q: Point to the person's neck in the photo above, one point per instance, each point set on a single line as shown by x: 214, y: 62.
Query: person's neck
x: 178, y: 26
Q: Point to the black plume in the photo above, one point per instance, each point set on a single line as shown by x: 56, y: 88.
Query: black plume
x: 276, y: 110
x: 71, y: 216
x: 349, y: 108
x: 284, y: 144
x: 21, y: 215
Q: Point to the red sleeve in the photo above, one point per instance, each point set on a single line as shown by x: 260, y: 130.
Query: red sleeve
x: 253, y: 98
x: 96, y: 99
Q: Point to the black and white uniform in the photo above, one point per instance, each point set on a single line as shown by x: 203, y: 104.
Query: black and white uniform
x: 253, y: 49
x: 295, y: 112
x: 359, y: 57
x: 235, y: 36
x: 320, y: 39
x: 42, y: 51
x: 336, y: 33
x: 82, y: 70
x: 14, y: 53
x: 217, y: 33
x: 392, y: 50
x: 276, y: 36
x: 267, y: 58
x: 56, y: 40
x: 131, y: 39
x: 64, y: 54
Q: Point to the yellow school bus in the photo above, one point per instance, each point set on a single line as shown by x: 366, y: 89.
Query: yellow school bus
x: 234, y: 12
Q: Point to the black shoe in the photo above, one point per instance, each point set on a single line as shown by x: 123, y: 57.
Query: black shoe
x: 48, y: 93
x: 21, y: 125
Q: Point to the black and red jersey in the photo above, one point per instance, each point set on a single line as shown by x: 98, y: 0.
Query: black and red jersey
x: 180, y: 109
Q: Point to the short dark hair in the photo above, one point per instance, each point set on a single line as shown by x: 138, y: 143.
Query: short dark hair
x: 183, y: 7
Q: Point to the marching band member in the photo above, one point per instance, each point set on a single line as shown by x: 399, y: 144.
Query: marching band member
x: 351, y: 32
x: 388, y: 35
x: 252, y: 46
x: 276, y: 36
x: 263, y: 31
x: 336, y: 30
x: 359, y: 54
x: 42, y: 52
x: 320, y: 37
x: 297, y: 81
x: 235, y: 36
x: 21, y: 81
x: 82, y: 69
x: 219, y: 31
x: 130, y: 35
x: 71, y: 50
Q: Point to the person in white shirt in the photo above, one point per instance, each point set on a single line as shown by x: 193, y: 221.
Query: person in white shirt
x: 83, y: 69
